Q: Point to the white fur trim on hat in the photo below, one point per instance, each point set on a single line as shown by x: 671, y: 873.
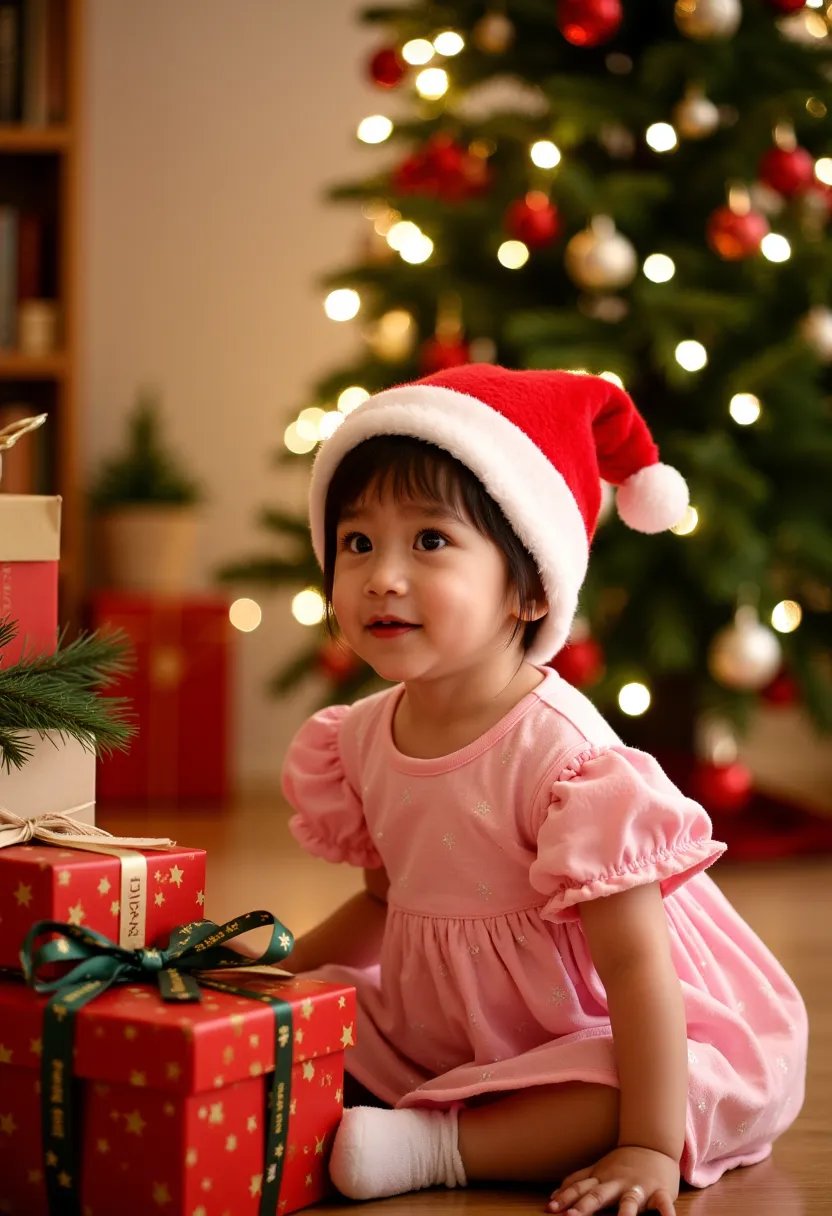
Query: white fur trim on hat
x: 653, y: 499
x: 531, y: 492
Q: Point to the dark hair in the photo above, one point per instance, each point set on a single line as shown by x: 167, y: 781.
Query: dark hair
x: 414, y: 468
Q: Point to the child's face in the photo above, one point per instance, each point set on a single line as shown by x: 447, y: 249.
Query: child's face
x: 429, y: 568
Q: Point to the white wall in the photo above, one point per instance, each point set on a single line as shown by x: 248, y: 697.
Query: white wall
x: 211, y: 130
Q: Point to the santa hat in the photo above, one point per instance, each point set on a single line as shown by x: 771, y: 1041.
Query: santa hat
x: 540, y: 442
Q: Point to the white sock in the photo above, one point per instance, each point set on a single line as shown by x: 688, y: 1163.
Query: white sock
x: 388, y: 1152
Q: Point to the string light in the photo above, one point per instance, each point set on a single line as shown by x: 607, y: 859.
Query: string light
x: 417, y: 52
x: 245, y: 615
x: 744, y: 408
x: 409, y: 242
x: 351, y: 398
x: 692, y: 356
x: 634, y: 699
x: 417, y: 251
x: 308, y: 607
x: 342, y: 305
x: 823, y: 170
x: 296, y: 442
x: 661, y: 137
x: 545, y: 154
x: 432, y: 83
x: 448, y: 43
x: 375, y: 129
x: 309, y: 422
x: 775, y: 248
x: 659, y: 268
x: 513, y: 255
x: 688, y: 523
x: 786, y: 616
x: 613, y: 378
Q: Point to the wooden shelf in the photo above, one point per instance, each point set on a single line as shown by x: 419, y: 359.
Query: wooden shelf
x: 15, y: 366
x: 15, y: 137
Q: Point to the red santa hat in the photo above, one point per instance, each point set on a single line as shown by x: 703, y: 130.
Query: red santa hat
x: 540, y: 442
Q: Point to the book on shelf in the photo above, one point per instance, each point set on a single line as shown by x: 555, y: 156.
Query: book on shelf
x: 33, y: 61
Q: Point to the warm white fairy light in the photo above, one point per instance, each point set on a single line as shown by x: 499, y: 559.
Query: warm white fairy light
x: 688, y: 523
x: 330, y: 422
x: 375, y: 129
x: 634, y: 699
x: 823, y: 170
x: 417, y: 251
x: 659, y: 268
x: 402, y: 232
x: 351, y: 398
x: 775, y: 248
x: 342, y: 305
x: 309, y: 422
x: 296, y: 442
x: 545, y: 154
x: 448, y: 43
x: 432, y: 83
x: 691, y: 355
x: 786, y: 616
x: 308, y: 607
x: 744, y: 408
x: 417, y: 51
x: 513, y: 255
x: 245, y: 614
x: 661, y: 137
x: 613, y: 378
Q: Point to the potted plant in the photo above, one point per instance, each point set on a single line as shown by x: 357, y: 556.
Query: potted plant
x: 146, y: 507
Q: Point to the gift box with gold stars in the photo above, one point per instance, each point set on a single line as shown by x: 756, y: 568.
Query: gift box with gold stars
x: 135, y: 899
x: 172, y: 1099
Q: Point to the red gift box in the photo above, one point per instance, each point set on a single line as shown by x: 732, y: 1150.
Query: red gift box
x: 179, y: 691
x: 42, y: 882
x: 30, y: 542
x: 174, y: 1097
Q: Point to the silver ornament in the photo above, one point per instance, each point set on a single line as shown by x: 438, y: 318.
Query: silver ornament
x: 703, y: 20
x: 746, y: 654
x: 600, y: 258
x: 695, y: 116
x: 493, y: 33
x: 816, y: 331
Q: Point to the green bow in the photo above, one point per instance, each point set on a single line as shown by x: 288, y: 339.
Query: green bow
x: 97, y: 964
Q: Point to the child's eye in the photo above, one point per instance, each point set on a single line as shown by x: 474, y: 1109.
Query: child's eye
x: 430, y: 540
x: 356, y: 542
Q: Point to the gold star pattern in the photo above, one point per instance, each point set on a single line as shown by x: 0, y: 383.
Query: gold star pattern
x: 65, y: 1179
x: 285, y: 940
x: 219, y: 1081
x: 158, y: 875
x: 23, y: 895
x: 338, y: 1096
x: 103, y: 1146
x: 346, y: 1036
x: 200, y: 1211
x: 227, y: 1054
x: 50, y: 1159
x: 104, y: 886
x: 35, y: 1176
x: 251, y: 1125
x: 138, y: 1078
x: 200, y: 898
x: 5, y: 1054
x: 237, y: 1021
x: 308, y: 1070
x: 255, y: 1069
x: 7, y: 1125
x: 293, y: 1106
x: 159, y: 898
x: 63, y: 878
x: 161, y: 1194
x: 207, y: 1184
x: 115, y: 908
x: 135, y: 1123
x: 254, y: 1040
x: 217, y: 1114
x: 203, y: 1112
x: 319, y: 1146
x: 307, y: 1009
x: 230, y: 1144
x: 308, y: 1179
x: 255, y: 1186
x: 76, y: 914
x: 299, y: 1035
x: 342, y: 1000
x: 169, y: 1108
x: 173, y: 1071
x: 191, y: 1157
x: 176, y: 875
x: 130, y: 1032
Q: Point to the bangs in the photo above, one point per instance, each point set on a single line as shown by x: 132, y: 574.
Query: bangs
x: 406, y: 470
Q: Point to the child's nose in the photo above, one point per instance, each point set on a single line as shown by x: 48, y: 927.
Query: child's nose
x: 386, y: 574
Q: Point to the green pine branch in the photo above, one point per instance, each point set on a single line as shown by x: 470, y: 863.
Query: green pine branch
x: 60, y: 692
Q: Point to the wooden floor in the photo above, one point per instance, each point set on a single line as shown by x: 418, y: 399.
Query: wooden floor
x: 254, y: 863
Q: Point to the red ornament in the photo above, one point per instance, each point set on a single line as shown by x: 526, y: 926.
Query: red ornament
x: 589, y: 22
x: 789, y: 171
x: 722, y: 787
x: 787, y: 6
x: 581, y: 663
x: 783, y: 690
x: 442, y: 168
x: 734, y: 236
x: 387, y: 68
x: 337, y: 661
x: 533, y: 220
x: 438, y: 354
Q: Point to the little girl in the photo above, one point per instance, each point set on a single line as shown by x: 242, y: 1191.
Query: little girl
x: 550, y: 987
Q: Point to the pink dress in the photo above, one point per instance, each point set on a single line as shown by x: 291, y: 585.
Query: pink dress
x: 485, y: 982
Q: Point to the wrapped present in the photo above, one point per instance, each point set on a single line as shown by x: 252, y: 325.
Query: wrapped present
x: 133, y: 889
x: 179, y: 691
x: 226, y: 1104
x: 30, y: 538
x: 59, y: 776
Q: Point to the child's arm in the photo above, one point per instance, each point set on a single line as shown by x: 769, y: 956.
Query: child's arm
x: 351, y: 936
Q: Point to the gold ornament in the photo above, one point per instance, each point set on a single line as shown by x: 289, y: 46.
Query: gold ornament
x: 746, y: 654
x: 695, y: 116
x: 600, y: 258
x: 704, y: 20
x: 816, y: 331
x: 393, y: 336
x: 493, y: 33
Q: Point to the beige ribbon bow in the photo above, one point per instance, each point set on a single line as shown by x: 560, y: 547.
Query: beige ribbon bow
x: 60, y: 828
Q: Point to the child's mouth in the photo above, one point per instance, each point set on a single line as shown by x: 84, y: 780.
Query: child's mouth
x: 391, y: 629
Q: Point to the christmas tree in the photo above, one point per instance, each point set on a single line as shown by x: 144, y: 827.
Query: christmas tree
x: 642, y: 192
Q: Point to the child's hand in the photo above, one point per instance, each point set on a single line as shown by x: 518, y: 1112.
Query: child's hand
x: 629, y: 1179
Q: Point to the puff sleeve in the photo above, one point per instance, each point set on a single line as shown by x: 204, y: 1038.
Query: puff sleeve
x: 329, y: 817
x: 615, y: 820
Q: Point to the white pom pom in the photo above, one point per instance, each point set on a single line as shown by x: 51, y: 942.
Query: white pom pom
x: 653, y: 499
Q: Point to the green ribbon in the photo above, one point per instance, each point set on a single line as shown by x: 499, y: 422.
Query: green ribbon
x: 97, y: 964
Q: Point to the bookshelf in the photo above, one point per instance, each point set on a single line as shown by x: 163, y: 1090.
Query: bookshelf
x: 40, y: 145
